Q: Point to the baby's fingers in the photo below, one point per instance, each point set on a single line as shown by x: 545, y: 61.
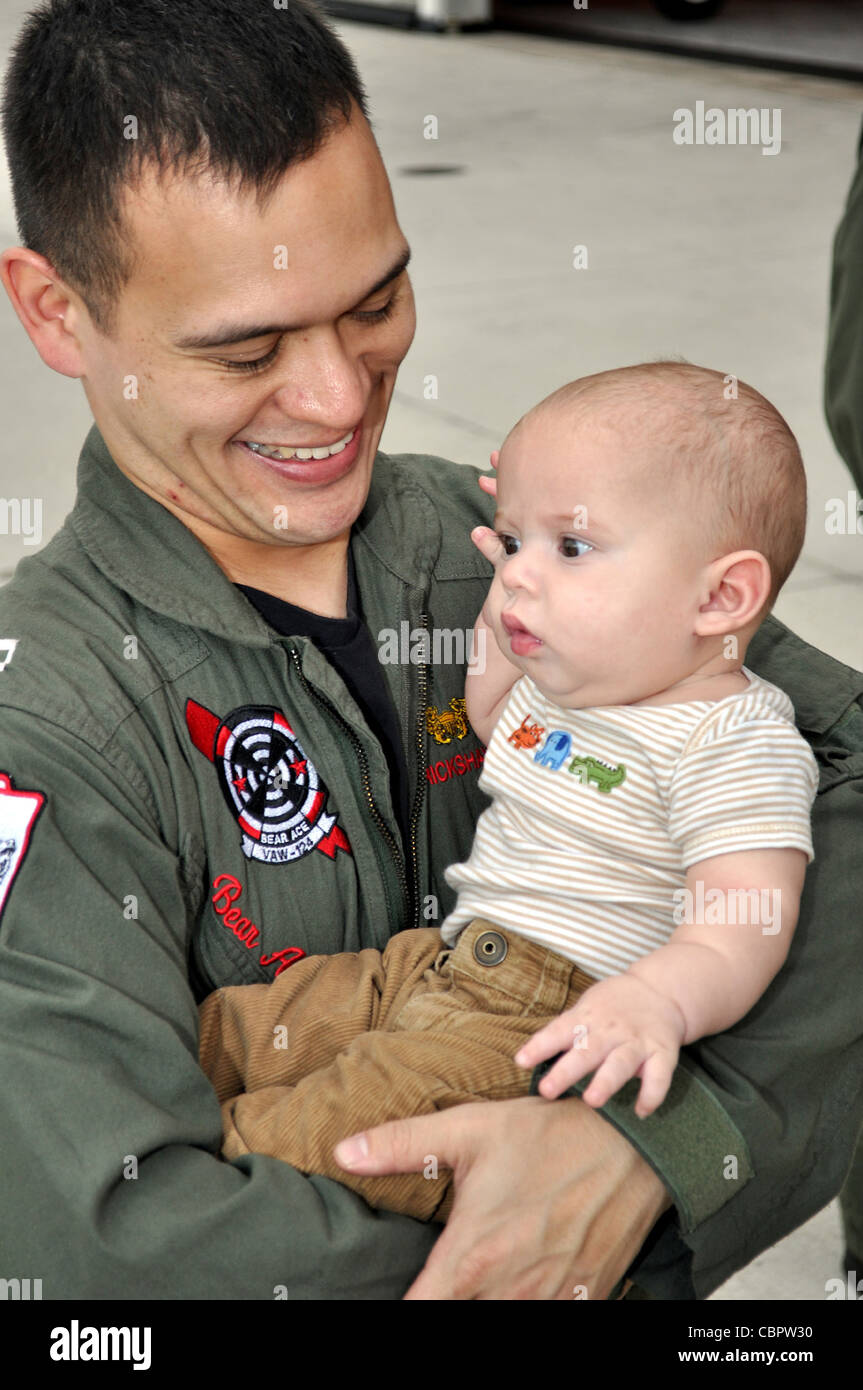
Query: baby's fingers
x: 489, y: 485
x: 568, y: 1069
x: 621, y: 1064
x: 562, y: 1036
x: 485, y: 539
x: 555, y: 1037
x: 656, y: 1077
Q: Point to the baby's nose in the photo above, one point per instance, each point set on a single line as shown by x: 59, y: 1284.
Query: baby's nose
x: 520, y: 572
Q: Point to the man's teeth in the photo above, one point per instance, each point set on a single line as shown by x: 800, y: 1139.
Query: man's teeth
x: 324, y: 453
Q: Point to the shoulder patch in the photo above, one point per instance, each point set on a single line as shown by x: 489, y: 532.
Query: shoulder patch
x: 19, y: 811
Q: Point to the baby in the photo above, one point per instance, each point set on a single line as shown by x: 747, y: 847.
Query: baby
x: 635, y: 883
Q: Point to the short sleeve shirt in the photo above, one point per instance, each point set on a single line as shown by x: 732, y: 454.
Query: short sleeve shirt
x: 597, y: 814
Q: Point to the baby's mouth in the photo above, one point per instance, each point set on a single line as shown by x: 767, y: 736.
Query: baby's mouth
x: 522, y: 641
x: 514, y: 628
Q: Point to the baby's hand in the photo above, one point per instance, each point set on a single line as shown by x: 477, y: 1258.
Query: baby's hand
x: 486, y: 541
x: 489, y: 485
x: 483, y: 537
x: 620, y: 1028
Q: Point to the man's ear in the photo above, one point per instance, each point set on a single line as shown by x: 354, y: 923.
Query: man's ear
x: 735, y: 588
x: 42, y: 301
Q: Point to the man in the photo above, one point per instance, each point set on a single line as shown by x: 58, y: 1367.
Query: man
x: 843, y: 404
x: 207, y: 771
x: 844, y: 367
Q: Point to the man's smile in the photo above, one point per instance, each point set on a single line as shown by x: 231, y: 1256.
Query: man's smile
x: 317, y: 464
x: 300, y: 451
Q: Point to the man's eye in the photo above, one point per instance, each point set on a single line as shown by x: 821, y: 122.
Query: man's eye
x: 376, y: 315
x: 256, y: 364
x: 569, y: 544
x: 509, y: 543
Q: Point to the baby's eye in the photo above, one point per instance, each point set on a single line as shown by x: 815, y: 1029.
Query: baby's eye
x: 569, y: 544
x: 509, y: 543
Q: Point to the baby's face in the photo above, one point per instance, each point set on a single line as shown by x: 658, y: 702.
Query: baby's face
x: 598, y: 578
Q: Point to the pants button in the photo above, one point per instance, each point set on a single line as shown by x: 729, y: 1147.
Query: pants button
x: 490, y: 948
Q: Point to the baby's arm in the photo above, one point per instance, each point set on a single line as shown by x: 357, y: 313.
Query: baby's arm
x: 702, y: 981
x: 716, y: 972
x: 491, y: 677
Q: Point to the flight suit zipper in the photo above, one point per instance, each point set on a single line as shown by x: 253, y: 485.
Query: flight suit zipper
x: 410, y: 888
x: 420, y: 791
x: 364, y: 774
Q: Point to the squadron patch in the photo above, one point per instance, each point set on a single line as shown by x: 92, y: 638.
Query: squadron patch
x: 19, y: 811
x: 272, y: 789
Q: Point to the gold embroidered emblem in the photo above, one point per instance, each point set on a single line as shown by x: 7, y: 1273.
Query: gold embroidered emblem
x: 447, y: 724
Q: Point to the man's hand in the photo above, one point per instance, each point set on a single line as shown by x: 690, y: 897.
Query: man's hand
x: 551, y: 1202
x: 620, y: 1028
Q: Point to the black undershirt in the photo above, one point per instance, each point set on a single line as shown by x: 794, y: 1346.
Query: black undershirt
x: 348, y: 646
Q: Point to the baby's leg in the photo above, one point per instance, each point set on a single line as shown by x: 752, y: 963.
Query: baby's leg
x: 452, y: 1041
x: 252, y: 1036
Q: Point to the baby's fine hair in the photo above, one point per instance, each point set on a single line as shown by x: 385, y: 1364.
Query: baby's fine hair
x: 732, y: 460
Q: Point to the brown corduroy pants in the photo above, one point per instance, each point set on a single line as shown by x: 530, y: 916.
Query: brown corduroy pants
x: 338, y: 1044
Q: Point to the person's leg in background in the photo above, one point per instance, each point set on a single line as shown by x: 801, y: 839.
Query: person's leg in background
x: 851, y: 1202
x: 843, y: 377
x: 843, y: 406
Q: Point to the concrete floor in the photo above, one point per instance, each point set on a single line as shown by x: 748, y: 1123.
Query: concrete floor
x: 716, y: 253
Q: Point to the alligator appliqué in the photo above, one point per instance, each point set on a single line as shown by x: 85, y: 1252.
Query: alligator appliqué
x: 591, y: 769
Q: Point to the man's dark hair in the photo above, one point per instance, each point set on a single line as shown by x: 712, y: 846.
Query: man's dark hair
x: 236, y: 88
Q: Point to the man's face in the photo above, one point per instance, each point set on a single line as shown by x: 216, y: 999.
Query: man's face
x: 211, y: 265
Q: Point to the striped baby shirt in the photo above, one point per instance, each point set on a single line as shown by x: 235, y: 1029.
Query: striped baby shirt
x: 597, y: 814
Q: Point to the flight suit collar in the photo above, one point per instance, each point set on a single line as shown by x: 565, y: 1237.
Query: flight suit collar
x: 145, y: 551
x: 148, y: 553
